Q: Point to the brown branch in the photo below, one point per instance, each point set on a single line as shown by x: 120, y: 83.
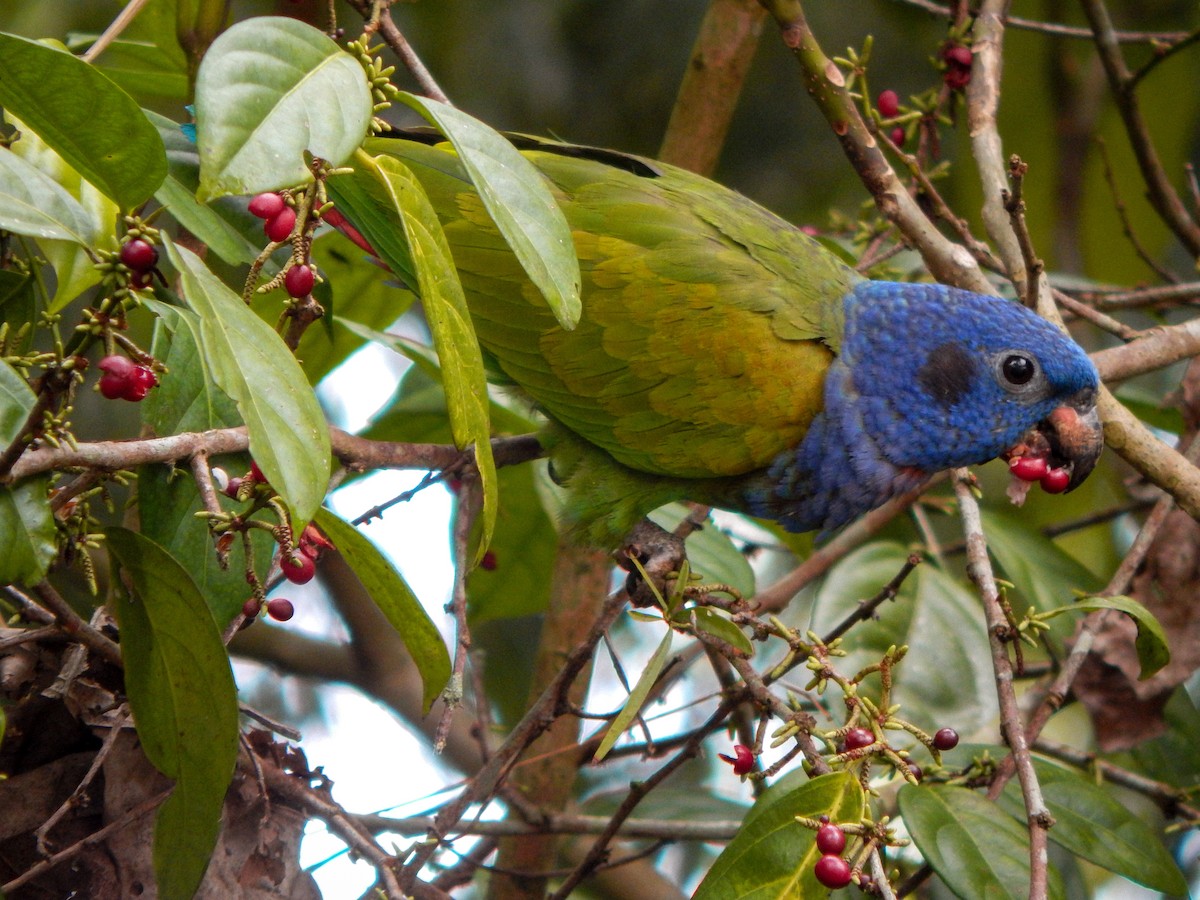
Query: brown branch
x: 1157, y: 349
x: 470, y: 499
x: 949, y: 262
x: 380, y: 20
x: 712, y: 83
x: 979, y: 569
x: 565, y: 823
x: 1164, y: 295
x: 1123, y: 215
x: 1159, y: 190
x: 76, y: 627
x: 1053, y: 28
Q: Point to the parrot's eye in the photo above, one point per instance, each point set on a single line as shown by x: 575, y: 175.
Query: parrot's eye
x: 1018, y: 369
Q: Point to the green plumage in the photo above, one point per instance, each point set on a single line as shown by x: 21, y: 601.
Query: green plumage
x: 708, y: 325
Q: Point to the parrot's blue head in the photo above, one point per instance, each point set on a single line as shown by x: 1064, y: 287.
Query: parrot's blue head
x: 929, y: 378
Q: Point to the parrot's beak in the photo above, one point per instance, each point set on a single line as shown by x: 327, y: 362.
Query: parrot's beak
x: 1075, y: 435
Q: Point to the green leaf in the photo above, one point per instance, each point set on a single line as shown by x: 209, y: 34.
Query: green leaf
x: 1151, y: 643
x: 449, y: 320
x: 268, y: 90
x: 288, y: 436
x: 74, y: 268
x: 96, y: 127
x: 1091, y: 824
x: 178, y: 194
x: 940, y: 680
x: 637, y: 696
x: 709, y: 620
x: 184, y: 702
x: 26, y: 531
x: 773, y: 855
x: 17, y: 399
x: 518, y: 199
x: 395, y: 600
x: 33, y: 203
x: 976, y: 851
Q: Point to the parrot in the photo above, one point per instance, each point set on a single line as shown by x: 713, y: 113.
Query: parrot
x: 725, y: 357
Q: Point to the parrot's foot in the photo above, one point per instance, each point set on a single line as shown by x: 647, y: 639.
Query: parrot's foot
x: 659, y: 553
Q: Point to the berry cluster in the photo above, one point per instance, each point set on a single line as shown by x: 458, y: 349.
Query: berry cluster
x: 140, y: 257
x: 831, y: 869
x: 1032, y: 468
x: 957, y: 74
x: 124, y: 379
x: 279, y: 218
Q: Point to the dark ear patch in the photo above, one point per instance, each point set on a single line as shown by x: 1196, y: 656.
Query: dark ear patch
x: 947, y: 374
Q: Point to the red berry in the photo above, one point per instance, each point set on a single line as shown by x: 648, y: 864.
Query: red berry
x: 116, y: 365
x: 139, y: 281
x: 898, y: 135
x: 1028, y: 468
x: 251, y: 607
x: 139, y: 255
x: 957, y: 55
x: 256, y: 473
x: 298, y: 568
x: 832, y: 871
x: 888, y: 103
x: 278, y: 227
x: 231, y: 488
x: 742, y: 759
x: 299, y: 281
x: 831, y: 839
x: 916, y: 771
x: 945, y: 739
x: 266, y: 206
x: 1055, y: 481
x: 280, y: 609
x: 857, y: 738
x: 112, y: 386
x: 138, y: 384
x: 488, y: 563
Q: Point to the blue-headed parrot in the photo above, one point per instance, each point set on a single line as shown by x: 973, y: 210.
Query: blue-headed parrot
x: 723, y: 356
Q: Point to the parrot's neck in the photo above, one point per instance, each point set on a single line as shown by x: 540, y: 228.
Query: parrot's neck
x: 836, y: 473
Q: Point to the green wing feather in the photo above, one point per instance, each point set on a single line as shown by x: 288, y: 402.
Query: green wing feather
x: 708, y: 323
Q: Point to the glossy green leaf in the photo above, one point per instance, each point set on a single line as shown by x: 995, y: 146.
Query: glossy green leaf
x: 518, y: 199
x: 637, y: 696
x: 449, y: 321
x: 1093, y: 825
x: 96, y: 127
x: 940, y: 680
x: 1151, y: 643
x: 712, y: 622
x: 26, y: 531
x: 972, y: 847
x: 189, y: 400
x: 33, y: 203
x: 178, y: 194
x: 268, y: 90
x: 773, y: 855
x: 184, y: 702
x: 16, y: 401
x: 74, y: 268
x: 288, y: 436
x: 395, y: 600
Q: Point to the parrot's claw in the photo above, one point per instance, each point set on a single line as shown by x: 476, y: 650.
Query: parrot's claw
x: 658, y: 553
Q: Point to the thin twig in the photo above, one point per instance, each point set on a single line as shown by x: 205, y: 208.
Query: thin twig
x: 979, y: 568
x: 1053, y: 28
x: 113, y: 31
x: 1123, y: 215
x: 67, y: 805
x: 469, y: 500
x: 75, y: 849
x: 76, y: 627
